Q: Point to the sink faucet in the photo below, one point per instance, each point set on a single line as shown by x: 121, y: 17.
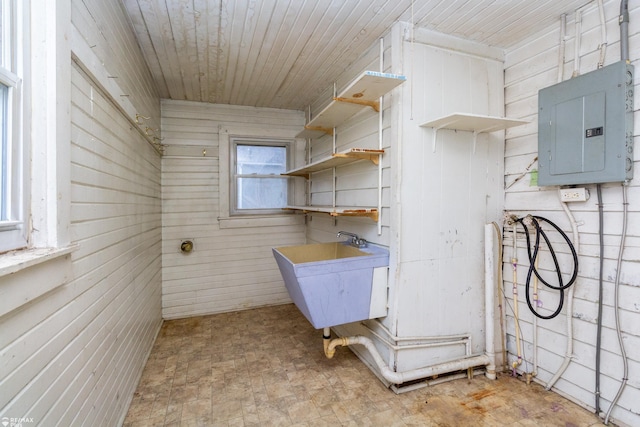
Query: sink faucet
x: 355, y: 239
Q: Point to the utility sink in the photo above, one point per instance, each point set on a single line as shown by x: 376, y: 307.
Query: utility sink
x: 335, y: 283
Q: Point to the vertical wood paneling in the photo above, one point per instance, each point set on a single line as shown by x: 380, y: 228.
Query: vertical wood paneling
x: 230, y: 268
x: 283, y: 54
x: 446, y: 193
x: 531, y: 66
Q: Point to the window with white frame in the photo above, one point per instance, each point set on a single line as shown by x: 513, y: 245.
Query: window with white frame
x: 12, y: 212
x: 257, y: 186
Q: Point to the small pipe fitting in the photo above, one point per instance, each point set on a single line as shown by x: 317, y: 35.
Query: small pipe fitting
x: 330, y: 349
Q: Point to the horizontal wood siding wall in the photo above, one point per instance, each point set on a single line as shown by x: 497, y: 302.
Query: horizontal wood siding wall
x: 531, y: 66
x: 74, y: 355
x: 231, y: 267
x: 105, y: 27
x: 356, y: 184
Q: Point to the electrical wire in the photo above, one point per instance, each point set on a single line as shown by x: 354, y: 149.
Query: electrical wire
x: 600, y: 296
x: 533, y: 254
x: 623, y: 353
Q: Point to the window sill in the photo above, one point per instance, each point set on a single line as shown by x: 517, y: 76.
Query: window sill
x: 245, y: 221
x: 28, y: 274
x: 14, y: 261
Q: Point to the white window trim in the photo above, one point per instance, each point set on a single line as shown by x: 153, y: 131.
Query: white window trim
x: 13, y: 230
x: 233, y: 191
x: 47, y: 133
x: 226, y: 220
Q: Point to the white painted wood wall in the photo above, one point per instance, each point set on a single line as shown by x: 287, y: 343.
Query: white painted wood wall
x: 445, y: 194
x: 74, y: 355
x: 529, y: 67
x: 435, y: 240
x: 231, y: 267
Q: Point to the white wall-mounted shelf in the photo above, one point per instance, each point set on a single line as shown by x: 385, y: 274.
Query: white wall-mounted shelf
x: 363, y: 92
x: 337, y: 159
x: 339, y: 211
x: 471, y: 123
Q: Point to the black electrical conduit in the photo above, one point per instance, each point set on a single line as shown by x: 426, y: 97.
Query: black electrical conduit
x: 533, y: 254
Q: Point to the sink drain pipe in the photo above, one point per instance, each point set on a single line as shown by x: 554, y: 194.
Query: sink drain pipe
x: 464, y: 363
x: 402, y: 377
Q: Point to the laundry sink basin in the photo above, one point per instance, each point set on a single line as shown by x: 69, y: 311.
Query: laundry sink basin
x: 335, y: 283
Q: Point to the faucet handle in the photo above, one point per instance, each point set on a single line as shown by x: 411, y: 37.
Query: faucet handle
x: 355, y: 240
x: 359, y: 243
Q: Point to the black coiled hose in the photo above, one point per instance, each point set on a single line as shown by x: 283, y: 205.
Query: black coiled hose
x: 533, y: 254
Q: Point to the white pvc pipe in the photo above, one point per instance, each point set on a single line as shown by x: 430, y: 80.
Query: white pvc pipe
x: 489, y: 300
x: 563, y: 43
x: 381, y: 103
x: 616, y: 299
x: 603, y: 34
x: 418, y: 338
x: 569, y: 352
x: 411, y: 375
x: 432, y: 343
x: 576, y: 52
x: 514, y: 263
x: 487, y: 359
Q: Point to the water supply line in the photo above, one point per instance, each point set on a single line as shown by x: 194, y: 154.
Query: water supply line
x: 616, y: 299
x: 514, y: 264
x: 500, y: 295
x: 537, y: 303
x: 431, y: 341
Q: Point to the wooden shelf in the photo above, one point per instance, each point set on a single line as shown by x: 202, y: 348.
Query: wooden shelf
x: 337, y: 159
x: 339, y: 211
x: 471, y: 123
x: 364, y: 92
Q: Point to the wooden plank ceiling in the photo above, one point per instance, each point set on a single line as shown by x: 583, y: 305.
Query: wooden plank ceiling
x: 283, y: 53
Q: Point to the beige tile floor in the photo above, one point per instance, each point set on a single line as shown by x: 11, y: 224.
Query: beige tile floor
x: 266, y: 367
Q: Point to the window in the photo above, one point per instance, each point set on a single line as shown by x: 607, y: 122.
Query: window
x: 256, y: 184
x: 12, y: 230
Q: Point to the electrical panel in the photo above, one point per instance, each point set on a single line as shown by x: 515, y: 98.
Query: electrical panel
x: 585, y: 128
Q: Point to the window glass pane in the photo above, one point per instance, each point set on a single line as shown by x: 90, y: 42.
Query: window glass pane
x: 4, y: 149
x: 5, y: 34
x: 3, y: 28
x: 261, y: 193
x: 261, y: 160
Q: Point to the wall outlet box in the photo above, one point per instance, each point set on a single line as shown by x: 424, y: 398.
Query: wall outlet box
x: 574, y: 194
